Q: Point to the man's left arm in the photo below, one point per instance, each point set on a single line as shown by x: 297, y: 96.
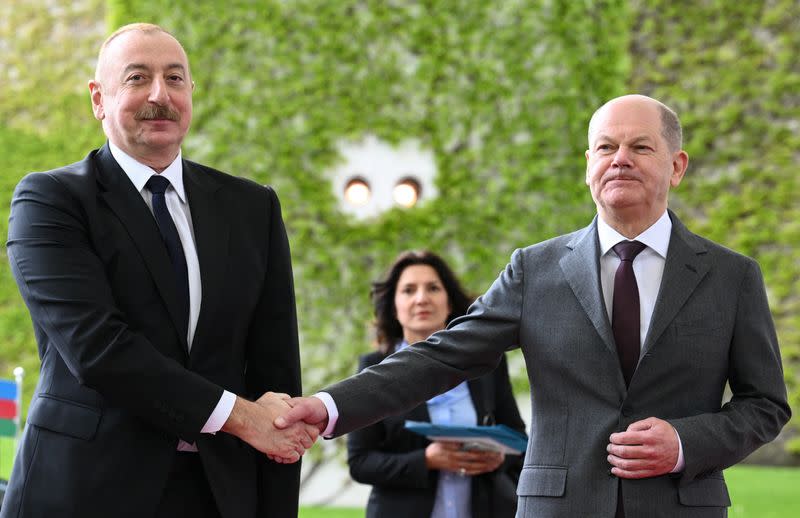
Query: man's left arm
x: 758, y: 408
x: 273, y: 357
x: 713, y: 441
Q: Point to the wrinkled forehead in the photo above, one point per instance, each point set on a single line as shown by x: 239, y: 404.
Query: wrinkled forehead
x: 147, y: 49
x: 626, y: 117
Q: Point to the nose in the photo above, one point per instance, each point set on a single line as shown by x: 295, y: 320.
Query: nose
x: 158, y: 93
x: 421, y: 296
x: 622, y: 157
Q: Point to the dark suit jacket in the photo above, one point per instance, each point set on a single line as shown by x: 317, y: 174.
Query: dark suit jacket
x: 117, y: 387
x: 711, y: 325
x: 392, y: 458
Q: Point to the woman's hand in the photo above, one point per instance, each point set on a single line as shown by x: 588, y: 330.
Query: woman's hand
x: 449, y: 456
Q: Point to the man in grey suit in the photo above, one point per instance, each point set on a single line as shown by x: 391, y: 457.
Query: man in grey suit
x: 628, y: 355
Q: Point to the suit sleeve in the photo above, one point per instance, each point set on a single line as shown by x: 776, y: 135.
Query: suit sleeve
x: 507, y: 413
x: 71, y: 303
x: 273, y: 357
x: 758, y: 408
x: 375, y: 457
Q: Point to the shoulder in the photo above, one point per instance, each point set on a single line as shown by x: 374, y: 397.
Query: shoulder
x: 715, y: 253
x: 557, y: 244
x: 214, y: 179
x: 78, y: 178
x: 550, y: 251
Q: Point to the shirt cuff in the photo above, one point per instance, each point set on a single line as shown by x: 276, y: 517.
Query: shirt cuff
x: 220, y: 414
x: 333, y: 413
x: 681, y: 463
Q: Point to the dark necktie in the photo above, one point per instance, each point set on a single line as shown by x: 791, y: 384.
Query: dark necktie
x: 158, y: 185
x: 625, y: 321
x: 625, y: 311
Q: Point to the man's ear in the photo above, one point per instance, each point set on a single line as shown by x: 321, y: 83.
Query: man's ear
x: 587, y: 167
x: 680, y: 161
x: 96, y: 93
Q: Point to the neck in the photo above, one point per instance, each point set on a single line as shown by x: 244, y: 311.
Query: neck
x: 155, y: 159
x: 412, y: 337
x: 628, y: 225
x: 156, y: 162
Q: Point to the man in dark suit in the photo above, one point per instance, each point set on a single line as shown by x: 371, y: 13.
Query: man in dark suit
x: 162, y: 301
x: 630, y: 327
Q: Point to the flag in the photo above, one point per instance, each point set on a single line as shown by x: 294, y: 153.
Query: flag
x: 9, y: 410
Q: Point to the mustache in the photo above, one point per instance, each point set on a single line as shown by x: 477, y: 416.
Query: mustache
x: 155, y: 111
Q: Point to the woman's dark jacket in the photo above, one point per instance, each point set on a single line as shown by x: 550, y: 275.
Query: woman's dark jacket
x: 392, y: 459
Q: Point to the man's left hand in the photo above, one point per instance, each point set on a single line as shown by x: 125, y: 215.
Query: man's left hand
x: 648, y: 448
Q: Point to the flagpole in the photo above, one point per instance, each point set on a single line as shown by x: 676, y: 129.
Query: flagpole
x: 19, y: 373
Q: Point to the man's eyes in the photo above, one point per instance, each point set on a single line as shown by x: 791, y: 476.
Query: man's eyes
x: 138, y: 78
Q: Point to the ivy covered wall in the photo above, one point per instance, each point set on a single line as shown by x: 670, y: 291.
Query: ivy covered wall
x: 495, y: 90
x: 500, y: 91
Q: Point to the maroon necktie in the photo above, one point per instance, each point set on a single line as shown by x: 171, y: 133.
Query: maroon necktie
x: 625, y: 311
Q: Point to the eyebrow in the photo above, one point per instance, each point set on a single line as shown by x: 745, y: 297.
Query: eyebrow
x: 635, y: 140
x: 141, y: 66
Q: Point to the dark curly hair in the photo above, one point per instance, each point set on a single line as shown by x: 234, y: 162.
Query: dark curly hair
x: 387, y: 327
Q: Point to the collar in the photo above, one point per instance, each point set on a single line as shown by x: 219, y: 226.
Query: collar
x: 655, y: 237
x: 140, y: 173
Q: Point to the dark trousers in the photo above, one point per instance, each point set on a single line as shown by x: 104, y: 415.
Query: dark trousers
x: 187, y: 493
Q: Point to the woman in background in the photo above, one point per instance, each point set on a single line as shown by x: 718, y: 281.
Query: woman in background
x: 412, y: 476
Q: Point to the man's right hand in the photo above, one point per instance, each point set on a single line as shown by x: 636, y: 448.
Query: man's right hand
x: 253, y: 423
x: 308, y: 410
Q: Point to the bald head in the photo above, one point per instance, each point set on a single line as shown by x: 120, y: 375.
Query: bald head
x: 103, y: 57
x: 670, y: 124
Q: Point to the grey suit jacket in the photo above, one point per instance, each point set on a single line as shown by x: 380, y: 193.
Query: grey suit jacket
x: 711, y: 325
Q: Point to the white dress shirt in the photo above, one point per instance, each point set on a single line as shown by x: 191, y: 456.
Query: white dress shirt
x: 178, y: 207
x: 648, y: 266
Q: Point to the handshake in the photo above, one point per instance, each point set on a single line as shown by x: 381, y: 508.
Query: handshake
x: 278, y: 425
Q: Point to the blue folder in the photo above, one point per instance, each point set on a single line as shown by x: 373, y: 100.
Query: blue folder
x: 493, y: 438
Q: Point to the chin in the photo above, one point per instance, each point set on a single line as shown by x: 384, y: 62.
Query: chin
x: 159, y: 141
x: 621, y: 200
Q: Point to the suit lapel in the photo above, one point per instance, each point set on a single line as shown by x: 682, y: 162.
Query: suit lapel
x: 122, y: 198
x: 581, y: 269
x: 211, y: 233
x: 684, y: 268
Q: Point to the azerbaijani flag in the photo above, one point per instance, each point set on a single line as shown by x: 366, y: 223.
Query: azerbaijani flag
x: 8, y: 408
